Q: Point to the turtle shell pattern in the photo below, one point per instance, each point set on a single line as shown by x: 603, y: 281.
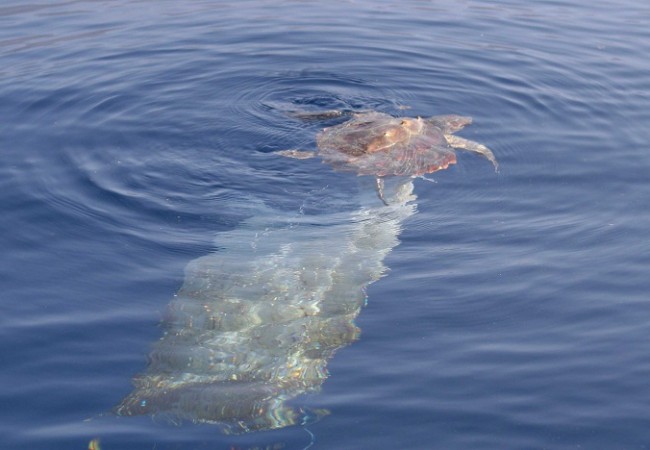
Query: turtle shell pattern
x: 381, y: 145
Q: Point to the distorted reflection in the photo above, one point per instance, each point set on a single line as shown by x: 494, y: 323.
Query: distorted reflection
x: 255, y: 324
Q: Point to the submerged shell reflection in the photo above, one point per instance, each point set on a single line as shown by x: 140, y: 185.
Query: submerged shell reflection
x: 254, y: 325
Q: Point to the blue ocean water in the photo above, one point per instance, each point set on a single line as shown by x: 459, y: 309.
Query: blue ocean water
x: 138, y: 137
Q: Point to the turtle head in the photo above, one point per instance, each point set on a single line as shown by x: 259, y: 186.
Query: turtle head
x: 451, y: 122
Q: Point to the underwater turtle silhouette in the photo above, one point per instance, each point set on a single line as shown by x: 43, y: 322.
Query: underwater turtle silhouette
x: 374, y: 143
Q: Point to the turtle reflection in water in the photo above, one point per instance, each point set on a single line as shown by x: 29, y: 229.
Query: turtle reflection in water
x: 374, y: 143
x: 255, y: 323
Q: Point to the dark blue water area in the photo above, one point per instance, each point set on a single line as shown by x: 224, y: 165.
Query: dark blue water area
x: 137, y: 137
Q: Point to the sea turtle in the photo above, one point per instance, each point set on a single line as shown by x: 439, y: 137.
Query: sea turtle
x: 374, y: 143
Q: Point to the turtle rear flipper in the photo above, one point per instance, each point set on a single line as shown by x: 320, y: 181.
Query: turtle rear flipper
x: 309, y: 116
x: 322, y: 116
x: 296, y: 154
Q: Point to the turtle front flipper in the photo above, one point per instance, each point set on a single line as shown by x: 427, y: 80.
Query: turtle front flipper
x: 296, y: 154
x: 380, y: 190
x: 466, y: 144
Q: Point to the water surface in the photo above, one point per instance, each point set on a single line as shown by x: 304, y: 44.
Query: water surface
x: 137, y: 136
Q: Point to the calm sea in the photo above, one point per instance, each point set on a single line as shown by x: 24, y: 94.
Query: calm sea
x: 494, y: 311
